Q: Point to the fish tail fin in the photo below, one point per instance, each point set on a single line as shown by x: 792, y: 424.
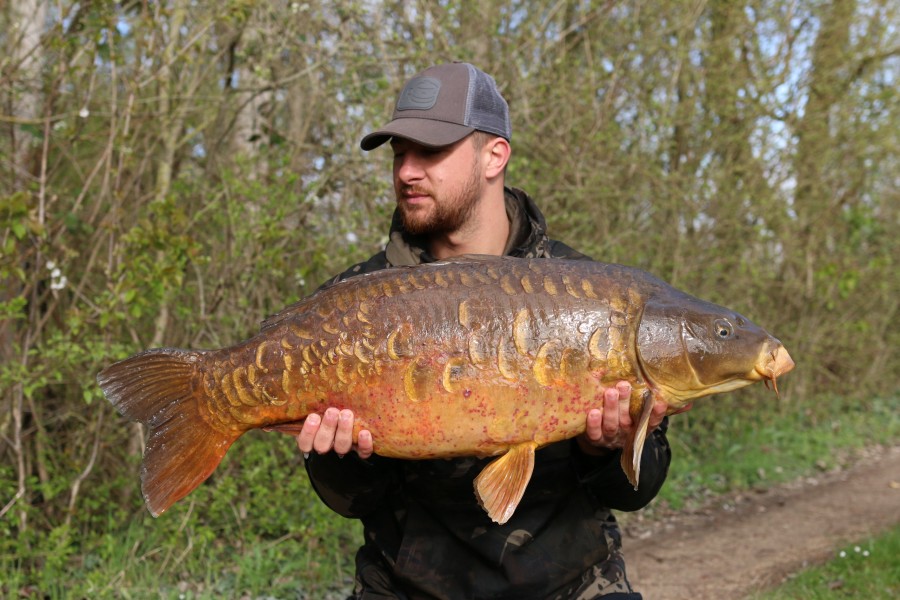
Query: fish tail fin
x: 160, y: 388
x: 634, y: 445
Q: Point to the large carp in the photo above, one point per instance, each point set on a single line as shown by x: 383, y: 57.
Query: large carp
x: 481, y: 356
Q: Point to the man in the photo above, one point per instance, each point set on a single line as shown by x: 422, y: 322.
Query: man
x: 425, y: 535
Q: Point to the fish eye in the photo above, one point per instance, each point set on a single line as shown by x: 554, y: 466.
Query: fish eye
x: 723, y: 329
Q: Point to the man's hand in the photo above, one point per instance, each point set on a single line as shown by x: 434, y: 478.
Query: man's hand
x: 608, y: 427
x: 333, y: 431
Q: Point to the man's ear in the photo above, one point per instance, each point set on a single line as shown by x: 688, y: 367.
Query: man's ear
x: 497, y: 153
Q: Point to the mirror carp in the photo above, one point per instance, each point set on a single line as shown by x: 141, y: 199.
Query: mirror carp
x: 478, y: 356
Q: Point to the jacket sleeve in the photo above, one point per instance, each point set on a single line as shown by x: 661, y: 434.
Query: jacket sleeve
x: 375, y: 263
x: 349, y: 485
x: 558, y: 249
x: 604, y: 479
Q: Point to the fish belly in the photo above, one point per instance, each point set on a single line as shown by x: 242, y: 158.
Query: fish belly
x: 438, y: 363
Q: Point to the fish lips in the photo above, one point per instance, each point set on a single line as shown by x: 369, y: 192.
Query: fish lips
x: 774, y: 364
x: 777, y: 363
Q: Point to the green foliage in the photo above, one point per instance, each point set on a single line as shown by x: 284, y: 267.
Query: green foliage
x: 754, y: 442
x: 257, y: 530
x: 173, y: 174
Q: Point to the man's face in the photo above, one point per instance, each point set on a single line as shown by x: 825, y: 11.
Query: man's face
x: 437, y: 189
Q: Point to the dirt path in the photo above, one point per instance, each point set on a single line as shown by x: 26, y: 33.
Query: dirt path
x: 750, y: 542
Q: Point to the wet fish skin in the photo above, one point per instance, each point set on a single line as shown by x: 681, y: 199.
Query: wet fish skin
x: 472, y: 357
x: 451, y: 353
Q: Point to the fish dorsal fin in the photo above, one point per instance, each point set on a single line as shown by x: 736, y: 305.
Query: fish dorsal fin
x: 634, y: 445
x: 501, y: 484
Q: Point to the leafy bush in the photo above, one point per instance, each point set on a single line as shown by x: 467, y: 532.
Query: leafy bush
x: 172, y: 174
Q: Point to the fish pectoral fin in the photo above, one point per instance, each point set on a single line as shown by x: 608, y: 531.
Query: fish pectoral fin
x: 500, y: 486
x: 634, y: 445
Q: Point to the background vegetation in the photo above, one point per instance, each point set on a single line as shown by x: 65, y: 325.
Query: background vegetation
x: 867, y: 569
x: 173, y: 172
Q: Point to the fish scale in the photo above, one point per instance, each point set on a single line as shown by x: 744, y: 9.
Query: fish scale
x: 481, y: 356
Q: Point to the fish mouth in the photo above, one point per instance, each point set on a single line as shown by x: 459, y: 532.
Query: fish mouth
x: 776, y: 363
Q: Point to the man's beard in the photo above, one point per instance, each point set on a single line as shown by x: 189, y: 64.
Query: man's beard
x: 447, y: 214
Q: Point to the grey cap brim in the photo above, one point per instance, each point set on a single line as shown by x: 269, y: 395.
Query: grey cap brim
x: 427, y: 132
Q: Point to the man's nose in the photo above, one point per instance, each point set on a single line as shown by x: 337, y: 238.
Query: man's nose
x: 408, y: 167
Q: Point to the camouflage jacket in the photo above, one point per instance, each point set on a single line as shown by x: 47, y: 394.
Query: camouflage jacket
x: 426, y: 536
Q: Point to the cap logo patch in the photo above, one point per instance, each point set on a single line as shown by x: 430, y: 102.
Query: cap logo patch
x: 419, y: 94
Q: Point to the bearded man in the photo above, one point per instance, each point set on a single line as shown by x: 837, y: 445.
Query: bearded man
x: 425, y: 536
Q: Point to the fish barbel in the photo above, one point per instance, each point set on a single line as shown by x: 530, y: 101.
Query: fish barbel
x: 479, y: 356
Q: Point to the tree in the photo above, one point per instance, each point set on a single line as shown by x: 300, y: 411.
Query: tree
x: 174, y: 172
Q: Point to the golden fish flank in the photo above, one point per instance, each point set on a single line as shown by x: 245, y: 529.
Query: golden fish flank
x: 523, y: 334
x: 399, y: 342
x: 497, y: 357
x: 456, y: 373
x: 570, y: 287
x: 548, y: 362
x: 478, y: 351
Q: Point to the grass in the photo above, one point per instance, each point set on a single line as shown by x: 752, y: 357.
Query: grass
x: 256, y: 533
x: 755, y: 442
x: 869, y: 569
x: 256, y: 530
x: 138, y: 562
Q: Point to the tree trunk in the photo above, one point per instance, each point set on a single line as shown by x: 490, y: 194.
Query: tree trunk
x: 24, y: 103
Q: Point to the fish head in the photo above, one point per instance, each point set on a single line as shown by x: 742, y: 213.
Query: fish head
x: 689, y: 348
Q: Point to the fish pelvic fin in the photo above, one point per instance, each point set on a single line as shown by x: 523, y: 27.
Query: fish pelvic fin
x: 634, y: 445
x: 500, y: 486
x: 160, y: 389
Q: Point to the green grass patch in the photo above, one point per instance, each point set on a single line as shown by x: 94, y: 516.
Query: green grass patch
x: 869, y: 569
x: 256, y: 528
x: 753, y: 441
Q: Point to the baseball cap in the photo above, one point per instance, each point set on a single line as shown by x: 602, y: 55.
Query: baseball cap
x: 443, y: 104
